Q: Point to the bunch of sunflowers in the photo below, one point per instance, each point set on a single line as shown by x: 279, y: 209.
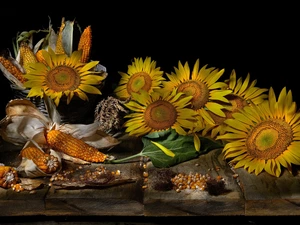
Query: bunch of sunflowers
x: 53, y: 68
x: 258, y: 131
x: 178, y: 115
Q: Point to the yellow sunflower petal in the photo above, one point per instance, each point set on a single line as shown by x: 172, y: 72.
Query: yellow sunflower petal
x: 164, y: 149
x: 89, y: 89
x: 215, y: 108
x: 197, y: 142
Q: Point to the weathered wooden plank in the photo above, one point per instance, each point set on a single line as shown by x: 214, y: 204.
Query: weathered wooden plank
x: 123, y: 199
x: 22, y: 203
x: 19, y: 203
x: 273, y: 207
x: 196, y: 202
x: 247, y: 194
x: 269, y: 195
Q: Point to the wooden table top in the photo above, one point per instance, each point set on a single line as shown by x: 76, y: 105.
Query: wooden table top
x: 244, y: 194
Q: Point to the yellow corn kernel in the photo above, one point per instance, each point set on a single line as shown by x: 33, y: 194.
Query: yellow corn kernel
x: 44, y: 161
x: 74, y: 147
x: 26, y: 55
x: 8, y: 176
x: 59, y: 49
x: 15, y: 71
x: 39, y: 56
x: 85, y: 44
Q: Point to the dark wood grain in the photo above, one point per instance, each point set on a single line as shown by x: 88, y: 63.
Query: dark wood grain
x: 245, y: 194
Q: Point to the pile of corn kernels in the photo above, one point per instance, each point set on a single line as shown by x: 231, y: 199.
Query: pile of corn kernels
x: 193, y: 181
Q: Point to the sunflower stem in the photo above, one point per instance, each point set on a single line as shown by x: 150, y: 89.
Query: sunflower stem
x: 125, y: 159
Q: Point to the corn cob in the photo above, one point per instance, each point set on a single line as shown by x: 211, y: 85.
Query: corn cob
x: 59, y: 49
x: 85, y: 44
x: 26, y: 55
x: 44, y: 161
x: 39, y: 56
x: 74, y: 147
x: 15, y: 71
x: 8, y: 176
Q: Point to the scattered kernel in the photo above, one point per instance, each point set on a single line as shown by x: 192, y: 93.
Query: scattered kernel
x: 235, y: 175
x: 145, y: 174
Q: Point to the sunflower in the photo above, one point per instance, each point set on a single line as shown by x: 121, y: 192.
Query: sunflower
x: 202, y: 85
x: 141, y: 75
x: 265, y: 136
x: 243, y: 93
x: 160, y: 110
x: 61, y: 75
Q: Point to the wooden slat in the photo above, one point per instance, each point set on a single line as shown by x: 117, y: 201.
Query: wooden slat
x: 246, y: 194
x: 124, y: 199
x: 196, y: 202
x: 269, y: 195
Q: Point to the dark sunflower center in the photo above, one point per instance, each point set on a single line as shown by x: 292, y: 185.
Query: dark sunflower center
x: 198, y: 90
x: 160, y: 115
x: 269, y: 139
x: 62, y: 78
x: 236, y: 103
x: 139, y: 81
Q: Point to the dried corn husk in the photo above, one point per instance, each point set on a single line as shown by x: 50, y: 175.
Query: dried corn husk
x: 90, y: 134
x: 24, y: 122
x: 28, y: 168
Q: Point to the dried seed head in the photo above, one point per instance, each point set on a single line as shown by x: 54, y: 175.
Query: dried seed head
x: 110, y: 113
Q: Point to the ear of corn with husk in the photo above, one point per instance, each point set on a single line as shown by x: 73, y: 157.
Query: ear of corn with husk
x: 77, y: 148
x: 64, y: 42
x: 59, y: 49
x: 8, y: 176
x: 85, y: 44
x: 39, y: 56
x: 44, y: 161
x: 26, y: 55
x: 11, y: 71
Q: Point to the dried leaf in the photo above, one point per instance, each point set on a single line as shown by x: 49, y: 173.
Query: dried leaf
x: 99, y: 176
x: 101, y: 140
x: 90, y: 134
x: 72, y: 159
x: 24, y: 107
x: 18, y: 129
x: 67, y: 37
x: 31, y: 184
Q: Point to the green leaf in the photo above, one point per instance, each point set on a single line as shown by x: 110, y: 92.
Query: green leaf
x: 159, y: 134
x: 182, y: 146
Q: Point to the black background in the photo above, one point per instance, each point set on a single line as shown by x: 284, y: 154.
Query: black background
x: 262, y: 40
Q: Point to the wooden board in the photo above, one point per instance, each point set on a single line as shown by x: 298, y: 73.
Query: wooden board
x: 245, y: 195
x: 196, y: 202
